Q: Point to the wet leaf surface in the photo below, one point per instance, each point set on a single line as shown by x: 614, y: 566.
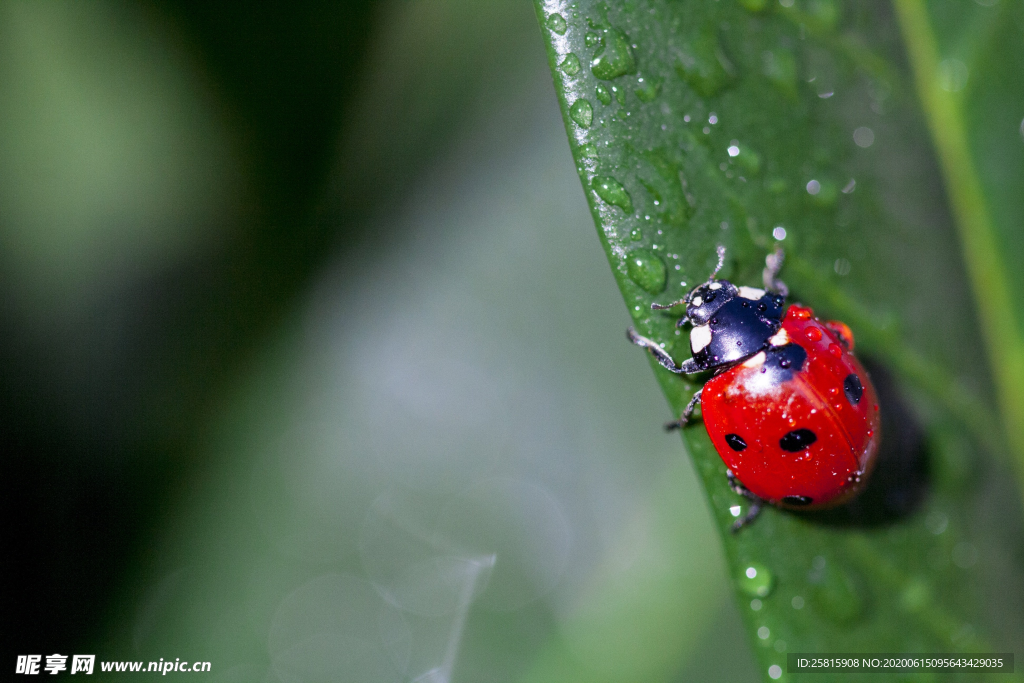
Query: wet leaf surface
x: 752, y: 124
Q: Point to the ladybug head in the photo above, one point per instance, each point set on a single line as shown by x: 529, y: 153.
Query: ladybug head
x: 705, y: 299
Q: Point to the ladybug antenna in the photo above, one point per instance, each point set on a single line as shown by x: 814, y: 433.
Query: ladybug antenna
x: 721, y: 262
x: 720, y: 250
x: 772, y: 266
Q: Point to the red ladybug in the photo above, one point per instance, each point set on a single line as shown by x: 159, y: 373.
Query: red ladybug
x: 790, y: 410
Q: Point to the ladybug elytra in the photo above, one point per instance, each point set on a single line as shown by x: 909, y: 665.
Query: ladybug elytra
x: 789, y: 409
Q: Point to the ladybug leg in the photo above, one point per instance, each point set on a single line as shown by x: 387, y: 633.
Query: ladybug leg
x: 752, y: 513
x: 755, y: 503
x: 659, y: 353
x: 737, y: 486
x: 772, y: 266
x: 687, y: 368
x: 687, y: 413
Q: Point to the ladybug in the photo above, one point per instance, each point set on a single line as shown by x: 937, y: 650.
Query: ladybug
x: 788, y: 407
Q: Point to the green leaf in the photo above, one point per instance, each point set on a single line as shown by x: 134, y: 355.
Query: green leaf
x: 752, y: 124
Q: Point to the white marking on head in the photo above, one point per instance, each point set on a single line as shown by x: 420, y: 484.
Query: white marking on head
x: 780, y: 338
x: 715, y: 285
x: 755, y: 361
x: 700, y: 337
x: 697, y: 301
x: 752, y: 293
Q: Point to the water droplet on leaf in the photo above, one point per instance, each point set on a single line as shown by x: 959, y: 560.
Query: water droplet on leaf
x: 556, y: 22
x: 614, y: 57
x: 665, y: 181
x: 756, y: 580
x: 582, y: 113
x: 604, y: 96
x: 570, y: 65
x: 612, y: 192
x: 646, y: 269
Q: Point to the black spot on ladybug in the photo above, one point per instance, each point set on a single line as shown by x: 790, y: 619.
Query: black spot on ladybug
x: 761, y: 308
x: 853, y: 388
x: 797, y: 440
x: 746, y: 304
x: 735, y: 442
x: 782, y: 361
x: 797, y: 500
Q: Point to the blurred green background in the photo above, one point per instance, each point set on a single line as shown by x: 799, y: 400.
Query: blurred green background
x: 312, y: 364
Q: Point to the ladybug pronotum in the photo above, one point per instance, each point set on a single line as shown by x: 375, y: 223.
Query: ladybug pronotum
x: 789, y: 409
